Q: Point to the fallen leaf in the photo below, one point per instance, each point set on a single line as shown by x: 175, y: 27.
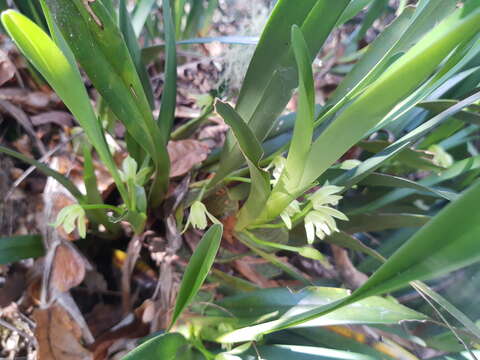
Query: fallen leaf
x: 133, y: 254
x: 214, y: 135
x: 30, y: 100
x: 185, y: 154
x: 58, y: 336
x: 352, y: 278
x: 13, y: 287
x: 68, y: 269
x: 19, y: 115
x: 7, y: 69
x: 102, y: 318
x: 135, y: 328
x: 60, y: 118
x: 245, y: 268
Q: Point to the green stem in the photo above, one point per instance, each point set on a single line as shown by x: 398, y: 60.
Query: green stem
x: 237, y: 178
x: 273, y: 259
x: 270, y: 244
x: 189, y: 127
x: 267, y: 226
x: 67, y: 184
x: 103, y: 206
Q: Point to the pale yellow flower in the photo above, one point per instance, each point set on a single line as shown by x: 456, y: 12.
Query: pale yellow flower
x: 320, y: 221
x: 198, y: 216
x: 289, y: 212
x: 440, y: 156
x: 278, y: 165
x: 70, y: 215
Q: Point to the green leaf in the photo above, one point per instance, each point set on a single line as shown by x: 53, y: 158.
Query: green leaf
x: 457, y: 169
x: 352, y: 10
x: 377, y: 54
x: 286, y: 304
x: 296, y: 352
x: 303, y: 130
x: 93, y: 195
x: 134, y: 48
x: 15, y: 248
x: 197, y: 269
x: 379, y: 222
x: 249, y: 143
x: 65, y: 79
x: 371, y: 106
x: 272, y: 74
x: 377, y: 8
x: 451, y: 309
x: 89, y: 29
x: 169, y: 96
x: 439, y: 106
x: 367, y: 167
x: 416, y: 159
x: 179, y: 10
x: 347, y: 241
x: 140, y: 14
x: 170, y: 346
x: 445, y: 244
x: 252, y: 150
x: 377, y: 179
x: 66, y: 183
x: 390, y: 45
x: 274, y: 260
x: 368, y: 110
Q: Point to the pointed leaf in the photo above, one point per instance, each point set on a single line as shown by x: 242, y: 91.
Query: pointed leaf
x: 15, y: 248
x: 65, y: 80
x: 197, y: 269
x: 166, y: 347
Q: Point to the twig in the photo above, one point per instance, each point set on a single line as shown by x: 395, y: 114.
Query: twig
x: 10, y: 327
x: 32, y: 168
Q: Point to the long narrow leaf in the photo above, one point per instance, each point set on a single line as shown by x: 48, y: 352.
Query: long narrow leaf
x: 169, y: 96
x: 166, y: 347
x: 272, y: 74
x: 197, y: 269
x: 134, y: 48
x: 66, y: 183
x: 380, y: 98
x: 15, y: 248
x: 303, y: 130
x: 89, y: 29
x: 252, y: 150
x: 65, y: 80
x: 447, y: 243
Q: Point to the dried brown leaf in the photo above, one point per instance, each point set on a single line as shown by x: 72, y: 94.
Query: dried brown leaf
x: 19, y: 115
x: 33, y: 101
x: 185, y: 154
x: 68, y: 269
x: 352, y: 277
x: 60, y: 118
x: 13, y: 287
x: 7, y: 69
x: 58, y: 336
x: 245, y: 268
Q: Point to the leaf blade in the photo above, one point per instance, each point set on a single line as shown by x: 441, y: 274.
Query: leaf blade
x: 197, y: 269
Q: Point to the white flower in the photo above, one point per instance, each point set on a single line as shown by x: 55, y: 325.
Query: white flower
x: 278, y: 165
x: 68, y: 216
x: 326, y: 196
x: 198, y: 216
x: 321, y: 220
x: 350, y: 164
x: 129, y: 169
x: 440, y: 156
x: 289, y: 212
